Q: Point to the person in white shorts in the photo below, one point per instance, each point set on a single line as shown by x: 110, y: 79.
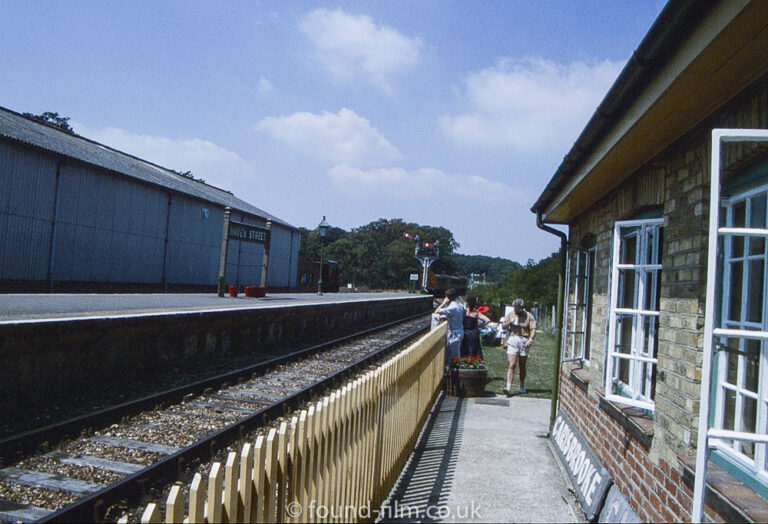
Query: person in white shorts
x: 522, y: 332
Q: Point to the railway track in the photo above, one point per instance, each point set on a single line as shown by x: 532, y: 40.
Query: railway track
x: 140, y: 446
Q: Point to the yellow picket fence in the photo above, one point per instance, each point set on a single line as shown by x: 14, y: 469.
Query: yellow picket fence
x: 333, y: 462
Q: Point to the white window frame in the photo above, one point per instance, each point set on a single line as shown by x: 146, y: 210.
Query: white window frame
x: 739, y: 331
x: 712, y: 436
x: 644, y: 273
x: 576, y: 314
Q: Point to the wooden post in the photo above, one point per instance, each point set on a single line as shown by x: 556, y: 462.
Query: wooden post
x: 265, y: 261
x: 224, y: 247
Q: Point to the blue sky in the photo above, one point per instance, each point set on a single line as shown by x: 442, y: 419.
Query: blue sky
x: 444, y: 113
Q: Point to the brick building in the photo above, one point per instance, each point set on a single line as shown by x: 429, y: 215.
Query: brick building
x: 651, y: 301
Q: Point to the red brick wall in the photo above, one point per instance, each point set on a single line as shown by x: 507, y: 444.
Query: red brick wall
x: 655, y: 491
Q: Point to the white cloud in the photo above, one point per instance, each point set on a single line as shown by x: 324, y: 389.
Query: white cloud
x: 530, y: 105
x: 425, y: 184
x: 214, y: 164
x: 343, y: 138
x: 265, y: 86
x: 348, y: 45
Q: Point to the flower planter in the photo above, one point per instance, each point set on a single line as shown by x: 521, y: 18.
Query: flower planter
x: 466, y: 382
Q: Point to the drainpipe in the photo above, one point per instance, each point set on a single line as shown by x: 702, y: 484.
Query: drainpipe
x: 559, y: 315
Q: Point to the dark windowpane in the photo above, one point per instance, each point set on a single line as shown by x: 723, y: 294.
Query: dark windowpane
x: 627, y: 297
x: 734, y: 308
x: 756, y: 245
x: 737, y: 247
x: 651, y: 298
x: 649, y: 347
x: 739, y: 217
x: 757, y: 221
x: 625, y: 334
x: 733, y: 361
x: 755, y: 285
x: 730, y: 409
x: 650, y: 249
x: 753, y: 365
x: 645, y: 389
x: 623, y: 374
x: 629, y: 245
x: 748, y: 423
x: 757, y: 212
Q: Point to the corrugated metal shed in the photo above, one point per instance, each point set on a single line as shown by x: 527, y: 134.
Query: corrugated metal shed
x: 28, y: 131
x: 75, y: 211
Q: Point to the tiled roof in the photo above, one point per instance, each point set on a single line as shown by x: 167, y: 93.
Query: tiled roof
x: 22, y: 129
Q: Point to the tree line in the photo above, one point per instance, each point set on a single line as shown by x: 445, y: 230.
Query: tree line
x: 379, y: 255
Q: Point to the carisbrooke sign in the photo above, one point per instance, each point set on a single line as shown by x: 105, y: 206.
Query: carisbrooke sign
x: 588, y: 476
x: 248, y: 233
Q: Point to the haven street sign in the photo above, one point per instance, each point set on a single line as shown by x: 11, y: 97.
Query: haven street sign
x: 248, y: 233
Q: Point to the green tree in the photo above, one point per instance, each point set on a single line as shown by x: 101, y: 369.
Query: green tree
x: 53, y: 119
x: 534, y: 282
x: 494, y: 267
x: 378, y: 255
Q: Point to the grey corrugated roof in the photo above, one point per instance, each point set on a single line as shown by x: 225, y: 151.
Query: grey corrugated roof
x: 28, y: 131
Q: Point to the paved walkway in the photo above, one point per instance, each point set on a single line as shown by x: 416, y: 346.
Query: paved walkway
x: 483, y: 460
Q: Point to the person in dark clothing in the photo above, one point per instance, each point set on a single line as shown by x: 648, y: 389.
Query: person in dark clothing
x: 473, y: 319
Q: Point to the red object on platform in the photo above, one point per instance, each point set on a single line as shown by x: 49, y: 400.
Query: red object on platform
x: 255, y: 291
x: 232, y: 291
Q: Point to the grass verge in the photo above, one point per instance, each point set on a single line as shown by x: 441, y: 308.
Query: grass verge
x: 538, y: 381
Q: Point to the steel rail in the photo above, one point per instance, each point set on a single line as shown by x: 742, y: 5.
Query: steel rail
x: 22, y: 444
x: 93, y: 508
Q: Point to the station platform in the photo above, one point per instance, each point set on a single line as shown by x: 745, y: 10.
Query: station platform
x: 66, y: 349
x: 483, y: 459
x: 16, y: 308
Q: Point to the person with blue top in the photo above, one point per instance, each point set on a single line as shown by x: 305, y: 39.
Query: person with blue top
x: 453, y: 312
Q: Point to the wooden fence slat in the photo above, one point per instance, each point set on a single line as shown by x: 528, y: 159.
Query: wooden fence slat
x: 214, y: 503
x: 335, y: 458
x: 230, y: 488
x: 345, y: 444
x: 333, y: 485
x: 298, y: 457
x: 151, y: 514
x: 323, y: 473
x: 282, y: 471
x: 309, y: 477
x: 196, y: 500
x: 245, y: 484
x: 270, y: 477
x: 174, y: 505
x: 258, y: 512
x: 352, y: 468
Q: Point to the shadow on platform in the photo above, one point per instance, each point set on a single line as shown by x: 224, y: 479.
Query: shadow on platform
x: 421, y: 492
